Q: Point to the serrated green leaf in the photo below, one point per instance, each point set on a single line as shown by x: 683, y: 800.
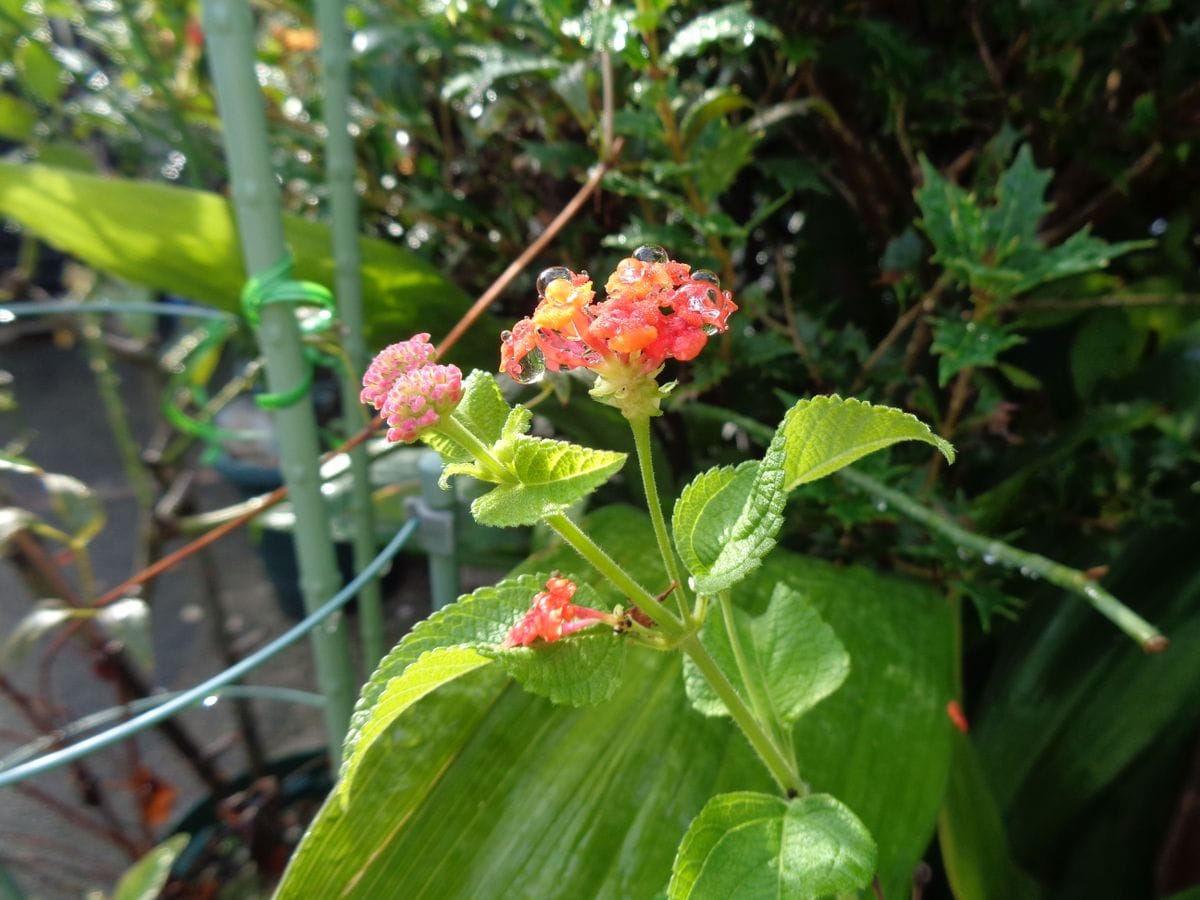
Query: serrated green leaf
x: 482, y: 411
x: 75, y: 504
x: 46, y: 616
x: 582, y: 670
x: 961, y: 345
x: 552, y: 475
x: 425, y: 674
x: 145, y: 879
x: 754, y: 845
x: 517, y: 423
x: 1019, y: 204
x: 732, y: 22
x: 826, y: 433
x: 725, y: 521
x: 12, y: 520
x: 794, y: 659
x: 128, y: 620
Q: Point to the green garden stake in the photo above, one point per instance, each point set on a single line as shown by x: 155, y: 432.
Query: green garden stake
x: 343, y: 203
x: 229, y: 28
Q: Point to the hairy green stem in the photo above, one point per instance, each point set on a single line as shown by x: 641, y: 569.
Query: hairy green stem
x: 781, y: 768
x: 1148, y: 637
x: 641, y: 440
x: 610, y: 569
x: 461, y: 435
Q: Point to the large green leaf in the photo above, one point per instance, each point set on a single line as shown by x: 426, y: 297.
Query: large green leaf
x: 756, y: 845
x: 794, y: 658
x: 482, y: 789
x: 725, y: 521
x: 553, y: 475
x: 466, y: 635
x: 184, y: 241
x: 825, y: 433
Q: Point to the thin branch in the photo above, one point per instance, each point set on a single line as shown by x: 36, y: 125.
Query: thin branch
x: 925, y: 305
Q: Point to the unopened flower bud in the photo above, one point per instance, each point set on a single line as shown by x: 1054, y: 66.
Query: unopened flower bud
x: 393, y: 362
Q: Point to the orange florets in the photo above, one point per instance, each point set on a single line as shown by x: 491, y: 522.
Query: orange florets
x: 655, y: 309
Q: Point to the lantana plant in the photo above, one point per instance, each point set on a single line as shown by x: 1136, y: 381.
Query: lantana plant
x: 762, y: 671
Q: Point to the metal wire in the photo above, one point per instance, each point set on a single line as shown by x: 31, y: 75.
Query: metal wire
x: 191, y: 697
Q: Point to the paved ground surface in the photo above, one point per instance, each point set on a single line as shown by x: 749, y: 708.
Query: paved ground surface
x: 47, y: 853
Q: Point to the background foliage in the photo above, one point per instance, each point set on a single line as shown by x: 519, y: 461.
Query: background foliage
x: 898, y: 196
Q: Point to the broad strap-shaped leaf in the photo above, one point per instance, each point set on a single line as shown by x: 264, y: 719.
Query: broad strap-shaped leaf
x: 552, y: 475
x: 482, y: 788
x: 128, y: 620
x: 578, y: 670
x: 184, y: 242
x: 482, y: 411
x: 732, y: 22
x: 826, y: 433
x: 726, y: 521
x: 793, y: 658
x: 755, y: 845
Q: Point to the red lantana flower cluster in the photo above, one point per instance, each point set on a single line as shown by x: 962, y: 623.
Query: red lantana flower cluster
x: 552, y: 615
x: 412, y: 391
x: 655, y: 309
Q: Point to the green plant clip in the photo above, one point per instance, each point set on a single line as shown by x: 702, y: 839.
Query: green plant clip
x: 276, y: 285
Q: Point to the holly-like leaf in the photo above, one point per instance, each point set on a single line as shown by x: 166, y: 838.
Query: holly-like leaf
x: 995, y: 248
x: 793, y: 658
x: 551, y: 474
x: 827, y: 433
x: 580, y: 670
x: 747, y: 844
x: 960, y: 345
x: 725, y: 521
x: 482, y: 411
x: 732, y: 22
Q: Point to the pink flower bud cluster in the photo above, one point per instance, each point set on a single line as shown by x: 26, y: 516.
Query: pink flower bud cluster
x: 411, y: 391
x: 552, y: 616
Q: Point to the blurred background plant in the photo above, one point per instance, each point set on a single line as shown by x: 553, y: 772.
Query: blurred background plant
x: 986, y: 214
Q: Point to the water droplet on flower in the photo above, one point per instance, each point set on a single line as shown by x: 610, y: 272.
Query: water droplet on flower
x: 710, y: 330
x: 650, y: 253
x: 554, y: 273
x: 706, y: 275
x: 532, y: 368
x: 506, y: 335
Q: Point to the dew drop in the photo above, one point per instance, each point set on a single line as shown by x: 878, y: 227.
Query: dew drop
x: 210, y: 701
x: 650, y: 253
x: 533, y: 368
x: 710, y: 330
x: 706, y: 275
x: 880, y: 506
x: 554, y: 273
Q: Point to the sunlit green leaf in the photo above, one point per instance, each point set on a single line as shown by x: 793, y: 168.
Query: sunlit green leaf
x: 128, y: 620
x: 552, y: 474
x: 76, y: 506
x: 45, y: 617
x: 482, y: 411
x: 793, y: 658
x: 756, y: 845
x: 826, y: 433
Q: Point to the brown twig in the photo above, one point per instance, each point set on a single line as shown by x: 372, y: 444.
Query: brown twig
x: 923, y: 306
x: 1116, y: 191
x: 539, y: 243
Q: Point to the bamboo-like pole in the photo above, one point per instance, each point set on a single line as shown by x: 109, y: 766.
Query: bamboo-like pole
x: 229, y: 31
x: 339, y: 177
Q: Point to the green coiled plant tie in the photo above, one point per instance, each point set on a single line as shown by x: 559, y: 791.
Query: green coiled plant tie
x: 276, y: 285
